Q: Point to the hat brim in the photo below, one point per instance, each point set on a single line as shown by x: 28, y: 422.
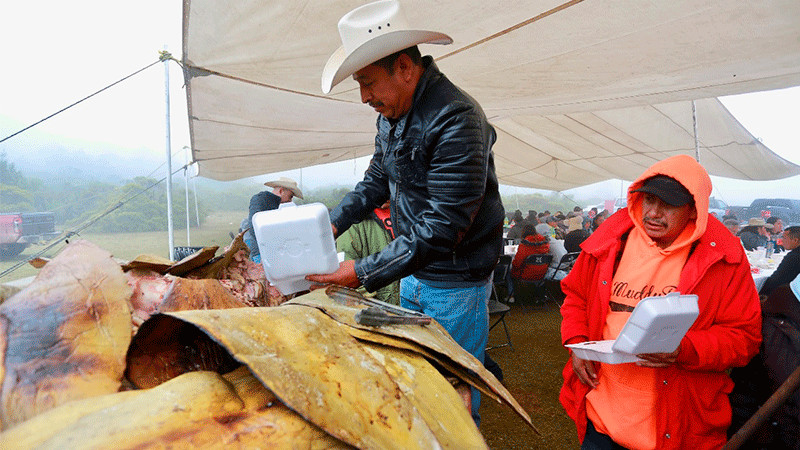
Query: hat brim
x: 669, y: 197
x: 295, y: 191
x: 341, y: 65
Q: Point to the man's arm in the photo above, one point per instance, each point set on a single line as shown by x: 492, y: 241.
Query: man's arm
x: 574, y: 309
x: 734, y: 334
x: 368, y: 194
x: 575, y: 313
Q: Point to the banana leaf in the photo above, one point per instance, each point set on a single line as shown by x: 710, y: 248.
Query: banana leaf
x: 195, y: 410
x: 431, y: 340
x: 321, y: 372
x: 65, y: 335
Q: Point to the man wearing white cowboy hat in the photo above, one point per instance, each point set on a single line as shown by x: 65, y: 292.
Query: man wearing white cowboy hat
x: 283, y: 189
x: 755, y: 234
x: 433, y: 160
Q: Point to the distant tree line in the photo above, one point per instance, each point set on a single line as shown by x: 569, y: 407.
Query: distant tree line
x: 552, y: 202
x: 76, y: 202
x: 144, y: 201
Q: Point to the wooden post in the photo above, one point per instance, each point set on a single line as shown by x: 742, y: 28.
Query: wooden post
x: 763, y: 414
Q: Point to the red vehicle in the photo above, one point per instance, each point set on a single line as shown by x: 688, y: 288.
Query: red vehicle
x: 18, y: 230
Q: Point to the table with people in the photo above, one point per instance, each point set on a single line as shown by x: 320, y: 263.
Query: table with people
x: 555, y: 234
x: 778, y: 262
x: 761, y: 266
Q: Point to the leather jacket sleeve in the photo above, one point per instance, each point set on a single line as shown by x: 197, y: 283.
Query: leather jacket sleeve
x: 368, y: 194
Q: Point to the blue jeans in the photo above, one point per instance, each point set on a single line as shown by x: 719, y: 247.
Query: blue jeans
x: 596, y: 440
x: 461, y: 311
x: 250, y: 241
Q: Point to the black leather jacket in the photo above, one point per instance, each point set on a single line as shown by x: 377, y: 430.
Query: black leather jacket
x: 437, y: 167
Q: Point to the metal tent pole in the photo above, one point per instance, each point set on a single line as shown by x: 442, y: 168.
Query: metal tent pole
x: 170, y: 230
x: 196, y: 208
x: 186, y: 185
x: 696, y: 140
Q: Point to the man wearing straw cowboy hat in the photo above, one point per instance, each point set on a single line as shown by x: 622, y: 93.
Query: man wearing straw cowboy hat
x: 433, y: 160
x: 283, y: 189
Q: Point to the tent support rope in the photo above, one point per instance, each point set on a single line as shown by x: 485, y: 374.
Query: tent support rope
x: 163, y: 56
x: 510, y: 29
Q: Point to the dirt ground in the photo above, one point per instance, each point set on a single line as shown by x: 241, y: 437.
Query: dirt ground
x: 532, y: 373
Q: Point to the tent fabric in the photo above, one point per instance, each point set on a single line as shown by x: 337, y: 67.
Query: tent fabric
x: 579, y: 91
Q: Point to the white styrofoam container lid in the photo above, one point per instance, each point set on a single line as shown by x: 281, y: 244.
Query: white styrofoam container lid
x: 657, y: 324
x: 295, y: 241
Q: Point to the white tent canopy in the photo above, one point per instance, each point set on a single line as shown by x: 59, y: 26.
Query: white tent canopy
x: 579, y: 91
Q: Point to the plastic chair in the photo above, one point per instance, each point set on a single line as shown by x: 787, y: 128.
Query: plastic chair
x: 564, y: 264
x: 183, y: 252
x: 527, y: 288
x: 497, y: 305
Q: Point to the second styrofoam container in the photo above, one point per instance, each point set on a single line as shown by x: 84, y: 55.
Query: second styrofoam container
x: 601, y: 351
x: 295, y: 241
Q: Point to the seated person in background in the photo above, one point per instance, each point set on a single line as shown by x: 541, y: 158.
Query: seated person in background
x: 517, y: 218
x: 732, y: 225
x: 575, y: 234
x: 557, y: 250
x: 789, y: 267
x: 516, y: 231
x: 283, y: 189
x: 560, y: 225
x: 755, y: 234
x: 776, y: 232
x: 532, y: 243
x: 531, y: 217
x: 779, y: 357
x: 542, y: 227
x: 597, y: 221
x: 550, y: 227
x: 367, y: 237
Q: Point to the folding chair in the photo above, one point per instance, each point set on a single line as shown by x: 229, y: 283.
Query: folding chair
x: 497, y: 307
x: 564, y: 264
x: 527, y: 288
x: 500, y: 279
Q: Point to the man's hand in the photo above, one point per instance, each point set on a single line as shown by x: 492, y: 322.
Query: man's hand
x: 344, y: 276
x: 585, y: 370
x: 659, y: 359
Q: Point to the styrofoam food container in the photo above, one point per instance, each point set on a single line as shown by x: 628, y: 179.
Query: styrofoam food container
x: 295, y: 241
x: 601, y: 351
x: 656, y: 325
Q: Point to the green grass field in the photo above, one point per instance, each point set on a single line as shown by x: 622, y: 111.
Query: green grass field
x: 215, y: 231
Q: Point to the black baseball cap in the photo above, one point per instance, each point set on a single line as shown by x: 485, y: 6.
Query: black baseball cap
x: 667, y: 189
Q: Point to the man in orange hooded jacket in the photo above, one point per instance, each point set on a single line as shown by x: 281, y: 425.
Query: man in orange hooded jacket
x: 664, y: 241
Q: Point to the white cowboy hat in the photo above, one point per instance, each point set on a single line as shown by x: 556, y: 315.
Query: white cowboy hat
x: 369, y: 33
x: 287, y: 183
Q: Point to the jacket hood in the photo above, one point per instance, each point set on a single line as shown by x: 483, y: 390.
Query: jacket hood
x: 693, y: 177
